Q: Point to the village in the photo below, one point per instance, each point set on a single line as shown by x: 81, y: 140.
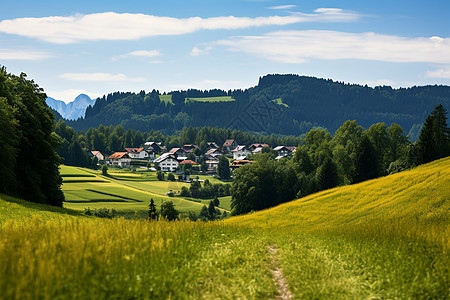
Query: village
x: 189, y: 159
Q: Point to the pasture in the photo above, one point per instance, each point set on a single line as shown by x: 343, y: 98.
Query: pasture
x: 386, y: 238
x: 211, y: 99
x: 126, y: 192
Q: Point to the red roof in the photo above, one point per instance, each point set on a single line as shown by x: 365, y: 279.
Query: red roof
x: 241, y: 162
x: 134, y: 150
x: 118, y: 155
x: 188, y: 161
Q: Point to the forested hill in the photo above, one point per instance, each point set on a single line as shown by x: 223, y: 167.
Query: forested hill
x: 280, y: 104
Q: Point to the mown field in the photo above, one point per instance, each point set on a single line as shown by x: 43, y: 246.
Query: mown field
x: 211, y: 99
x: 168, y: 99
x: 126, y: 192
x: 382, y: 239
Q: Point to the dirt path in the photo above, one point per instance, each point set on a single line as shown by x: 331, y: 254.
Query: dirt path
x: 277, y: 272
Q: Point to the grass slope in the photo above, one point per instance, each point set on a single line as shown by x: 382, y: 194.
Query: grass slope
x: 382, y: 239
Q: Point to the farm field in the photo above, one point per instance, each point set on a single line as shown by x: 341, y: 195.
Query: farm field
x: 126, y: 192
x: 386, y: 238
x: 166, y: 98
x: 211, y: 99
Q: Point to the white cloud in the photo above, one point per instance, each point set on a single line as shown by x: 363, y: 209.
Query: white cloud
x: 440, y: 73
x: 99, y: 77
x: 15, y: 54
x: 300, y: 46
x: 283, y: 7
x: 197, y: 51
x: 115, y: 26
x: 139, y: 53
x: 70, y: 94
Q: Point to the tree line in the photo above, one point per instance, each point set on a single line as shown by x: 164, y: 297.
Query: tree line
x: 352, y: 155
x: 30, y: 164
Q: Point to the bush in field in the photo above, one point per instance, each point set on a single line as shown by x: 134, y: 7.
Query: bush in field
x: 160, y: 175
x: 168, y: 211
x: 102, y: 212
x: 185, y: 192
x: 171, y: 176
x: 105, y: 170
x: 192, y: 216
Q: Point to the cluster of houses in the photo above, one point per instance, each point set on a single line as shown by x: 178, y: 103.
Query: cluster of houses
x: 175, y: 158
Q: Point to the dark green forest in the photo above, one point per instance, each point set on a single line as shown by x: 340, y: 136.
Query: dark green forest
x: 29, y: 161
x: 279, y: 104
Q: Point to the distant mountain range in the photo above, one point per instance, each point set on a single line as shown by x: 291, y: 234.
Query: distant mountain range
x: 73, y: 110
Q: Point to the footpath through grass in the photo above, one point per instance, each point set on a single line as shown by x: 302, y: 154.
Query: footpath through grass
x: 382, y: 239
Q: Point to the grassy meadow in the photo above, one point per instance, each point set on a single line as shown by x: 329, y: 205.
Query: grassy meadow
x: 386, y: 238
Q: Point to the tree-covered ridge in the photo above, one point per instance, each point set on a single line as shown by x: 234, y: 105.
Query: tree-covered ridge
x: 29, y: 161
x: 304, y: 103
x: 322, y: 162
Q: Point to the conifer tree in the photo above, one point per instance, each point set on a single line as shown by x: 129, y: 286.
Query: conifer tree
x: 366, y: 164
x: 152, y: 213
x: 211, y: 210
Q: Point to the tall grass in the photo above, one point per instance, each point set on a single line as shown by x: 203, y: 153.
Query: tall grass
x: 387, y: 238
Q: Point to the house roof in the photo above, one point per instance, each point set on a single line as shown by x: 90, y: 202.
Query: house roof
x: 228, y: 143
x: 237, y: 163
x: 288, y: 148
x: 239, y: 148
x: 118, y: 155
x: 258, y: 145
x: 188, y: 161
x: 213, y: 144
x: 164, y: 157
x: 134, y: 150
x: 96, y: 152
x: 257, y: 150
x: 175, y: 150
x: 291, y: 148
x: 213, y: 151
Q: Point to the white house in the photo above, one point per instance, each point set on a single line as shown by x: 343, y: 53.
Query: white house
x: 121, y: 159
x: 240, y: 151
x: 283, y: 151
x: 212, y: 164
x: 137, y: 153
x: 229, y: 145
x: 98, y: 154
x: 167, y: 162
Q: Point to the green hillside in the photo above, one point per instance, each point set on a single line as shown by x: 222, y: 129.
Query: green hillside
x: 386, y: 238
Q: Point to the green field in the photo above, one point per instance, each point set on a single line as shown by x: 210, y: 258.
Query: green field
x: 386, y: 238
x: 166, y: 98
x: 279, y: 102
x: 211, y: 99
x: 126, y: 192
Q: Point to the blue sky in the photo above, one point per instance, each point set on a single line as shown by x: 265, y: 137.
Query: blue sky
x: 98, y: 47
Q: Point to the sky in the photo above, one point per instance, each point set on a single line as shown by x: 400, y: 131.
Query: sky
x: 100, y: 47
